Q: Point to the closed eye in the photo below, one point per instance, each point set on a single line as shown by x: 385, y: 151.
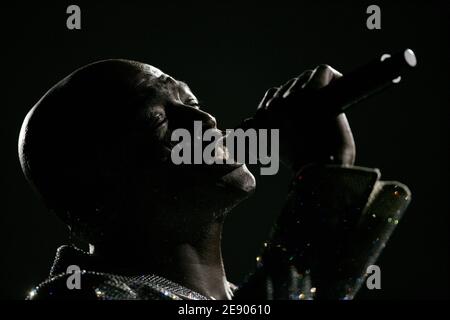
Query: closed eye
x: 193, y: 103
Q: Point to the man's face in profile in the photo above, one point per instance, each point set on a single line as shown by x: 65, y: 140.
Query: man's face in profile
x: 198, y: 189
x: 100, y: 141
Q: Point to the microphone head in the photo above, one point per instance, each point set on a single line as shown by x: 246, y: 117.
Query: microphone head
x: 410, y: 57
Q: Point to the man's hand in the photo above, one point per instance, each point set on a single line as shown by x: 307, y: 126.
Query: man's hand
x: 308, y: 132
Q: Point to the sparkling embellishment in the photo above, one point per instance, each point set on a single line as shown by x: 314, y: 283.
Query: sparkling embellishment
x: 32, y: 294
x: 99, y: 293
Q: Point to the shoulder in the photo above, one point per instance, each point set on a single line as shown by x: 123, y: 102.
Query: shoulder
x: 85, y: 285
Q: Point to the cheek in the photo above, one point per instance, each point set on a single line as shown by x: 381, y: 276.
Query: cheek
x: 152, y: 149
x: 162, y: 133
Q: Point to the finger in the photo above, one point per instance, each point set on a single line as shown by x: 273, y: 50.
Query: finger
x: 267, y: 96
x: 299, y: 82
x: 321, y: 77
x: 347, y: 142
x: 285, y: 87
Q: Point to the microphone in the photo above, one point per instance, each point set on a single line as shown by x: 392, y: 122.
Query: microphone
x: 339, y: 95
x: 352, y: 87
x: 365, y: 81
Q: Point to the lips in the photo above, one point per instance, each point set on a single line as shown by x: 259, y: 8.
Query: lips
x: 232, y: 174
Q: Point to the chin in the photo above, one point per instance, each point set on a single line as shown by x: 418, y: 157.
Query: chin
x: 240, y: 179
x: 232, y: 189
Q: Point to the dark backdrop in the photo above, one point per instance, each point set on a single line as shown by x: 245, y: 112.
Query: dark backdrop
x: 230, y: 53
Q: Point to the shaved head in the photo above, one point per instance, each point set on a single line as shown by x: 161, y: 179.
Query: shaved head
x: 97, y: 145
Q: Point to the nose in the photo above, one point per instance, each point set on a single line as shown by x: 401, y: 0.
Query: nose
x: 209, y: 121
x: 182, y: 116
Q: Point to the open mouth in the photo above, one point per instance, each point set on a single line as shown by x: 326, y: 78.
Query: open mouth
x: 201, y: 152
x: 223, y: 171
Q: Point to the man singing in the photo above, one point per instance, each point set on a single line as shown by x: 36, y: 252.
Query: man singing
x: 97, y: 148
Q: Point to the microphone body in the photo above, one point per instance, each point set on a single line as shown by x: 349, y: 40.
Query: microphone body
x: 365, y: 81
x: 350, y: 89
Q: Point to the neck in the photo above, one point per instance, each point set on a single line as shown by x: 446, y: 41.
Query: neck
x: 196, y: 265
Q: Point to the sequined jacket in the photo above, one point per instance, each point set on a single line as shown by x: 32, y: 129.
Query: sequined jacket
x: 97, y: 285
x: 335, y: 224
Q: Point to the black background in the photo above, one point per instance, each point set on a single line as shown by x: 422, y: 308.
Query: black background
x: 230, y: 53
